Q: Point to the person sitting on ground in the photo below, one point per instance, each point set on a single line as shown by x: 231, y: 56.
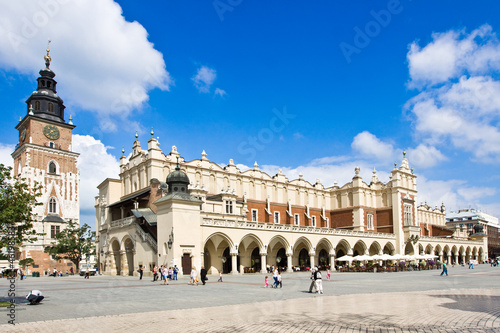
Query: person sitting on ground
x: 34, y: 297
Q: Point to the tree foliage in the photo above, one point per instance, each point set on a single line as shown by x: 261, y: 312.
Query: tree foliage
x: 17, y: 200
x: 73, y: 243
x: 26, y: 262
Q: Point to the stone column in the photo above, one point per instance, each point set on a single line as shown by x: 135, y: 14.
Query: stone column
x: 234, y: 263
x: 441, y: 256
x: 332, y: 262
x: 311, y: 259
x: 456, y: 259
x: 289, y: 262
x: 263, y: 262
x: 112, y: 264
x: 124, y: 262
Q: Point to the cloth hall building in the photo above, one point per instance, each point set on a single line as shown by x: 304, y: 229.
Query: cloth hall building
x: 231, y: 221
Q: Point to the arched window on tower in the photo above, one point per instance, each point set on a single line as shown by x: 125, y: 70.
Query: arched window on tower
x: 51, y: 107
x: 37, y: 105
x: 52, y: 167
x: 52, y: 206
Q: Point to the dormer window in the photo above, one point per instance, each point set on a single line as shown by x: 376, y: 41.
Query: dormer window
x: 51, y: 107
x: 37, y: 105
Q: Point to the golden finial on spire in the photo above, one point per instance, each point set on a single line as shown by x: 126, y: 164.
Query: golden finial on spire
x: 47, y: 57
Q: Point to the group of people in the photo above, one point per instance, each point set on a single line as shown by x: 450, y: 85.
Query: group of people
x: 193, y: 278
x: 276, y: 279
x: 165, y: 273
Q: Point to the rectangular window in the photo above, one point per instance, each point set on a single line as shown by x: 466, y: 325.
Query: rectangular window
x: 296, y: 220
x: 369, y: 221
x: 254, y: 215
x: 277, y: 217
x: 229, y: 207
x: 408, y: 216
x: 314, y: 221
x: 54, y: 230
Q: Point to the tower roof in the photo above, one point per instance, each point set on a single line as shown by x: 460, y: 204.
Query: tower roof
x: 44, y: 101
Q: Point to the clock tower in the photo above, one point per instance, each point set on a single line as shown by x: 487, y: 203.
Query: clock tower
x: 44, y: 155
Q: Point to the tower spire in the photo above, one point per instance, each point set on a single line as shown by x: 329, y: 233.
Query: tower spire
x: 47, y: 57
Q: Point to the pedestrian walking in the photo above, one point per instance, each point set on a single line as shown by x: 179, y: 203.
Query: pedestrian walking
x: 318, y: 281
x: 164, y: 273
x: 328, y: 274
x: 445, y: 270
x: 275, y: 278
x: 279, y: 280
x: 266, y: 281
x: 176, y: 271
x: 220, y: 277
x: 203, y: 275
x: 140, y: 271
x: 155, y: 273
x: 313, y: 282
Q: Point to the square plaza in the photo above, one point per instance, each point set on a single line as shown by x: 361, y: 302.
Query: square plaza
x: 417, y: 301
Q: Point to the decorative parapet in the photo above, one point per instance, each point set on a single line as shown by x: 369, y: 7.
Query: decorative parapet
x: 449, y: 240
x: 250, y: 225
x: 122, y: 222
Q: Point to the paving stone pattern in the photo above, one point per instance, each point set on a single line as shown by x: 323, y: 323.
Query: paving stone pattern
x: 465, y: 301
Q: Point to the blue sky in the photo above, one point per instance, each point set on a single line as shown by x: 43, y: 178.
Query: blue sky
x: 314, y: 88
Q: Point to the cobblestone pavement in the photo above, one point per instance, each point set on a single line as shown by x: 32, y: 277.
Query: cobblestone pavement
x: 466, y: 301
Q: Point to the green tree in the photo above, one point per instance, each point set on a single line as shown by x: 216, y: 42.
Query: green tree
x: 17, y: 200
x: 73, y: 243
x: 26, y: 262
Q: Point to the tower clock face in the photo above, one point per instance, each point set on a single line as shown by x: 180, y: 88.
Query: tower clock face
x: 51, y: 132
x: 23, y: 134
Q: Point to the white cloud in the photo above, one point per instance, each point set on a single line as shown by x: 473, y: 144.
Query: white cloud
x: 369, y: 145
x: 473, y: 194
x: 463, y: 111
x: 5, y: 151
x: 435, y: 192
x: 95, y: 164
x: 204, y: 79
x: 451, y: 53
x: 425, y: 156
x: 298, y: 136
x: 220, y: 92
x: 105, y: 65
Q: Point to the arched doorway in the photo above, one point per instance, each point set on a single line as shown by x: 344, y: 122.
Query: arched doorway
x: 227, y: 264
x: 304, y: 260
x: 323, y: 259
x: 281, y: 259
x: 255, y: 260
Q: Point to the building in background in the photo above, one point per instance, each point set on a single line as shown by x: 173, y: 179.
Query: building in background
x: 44, y: 155
x: 235, y: 221
x: 470, y: 219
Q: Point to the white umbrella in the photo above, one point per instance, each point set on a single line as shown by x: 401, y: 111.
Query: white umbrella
x: 345, y: 258
x: 419, y: 257
x: 363, y: 258
x: 386, y: 256
x: 398, y: 257
x: 430, y: 256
